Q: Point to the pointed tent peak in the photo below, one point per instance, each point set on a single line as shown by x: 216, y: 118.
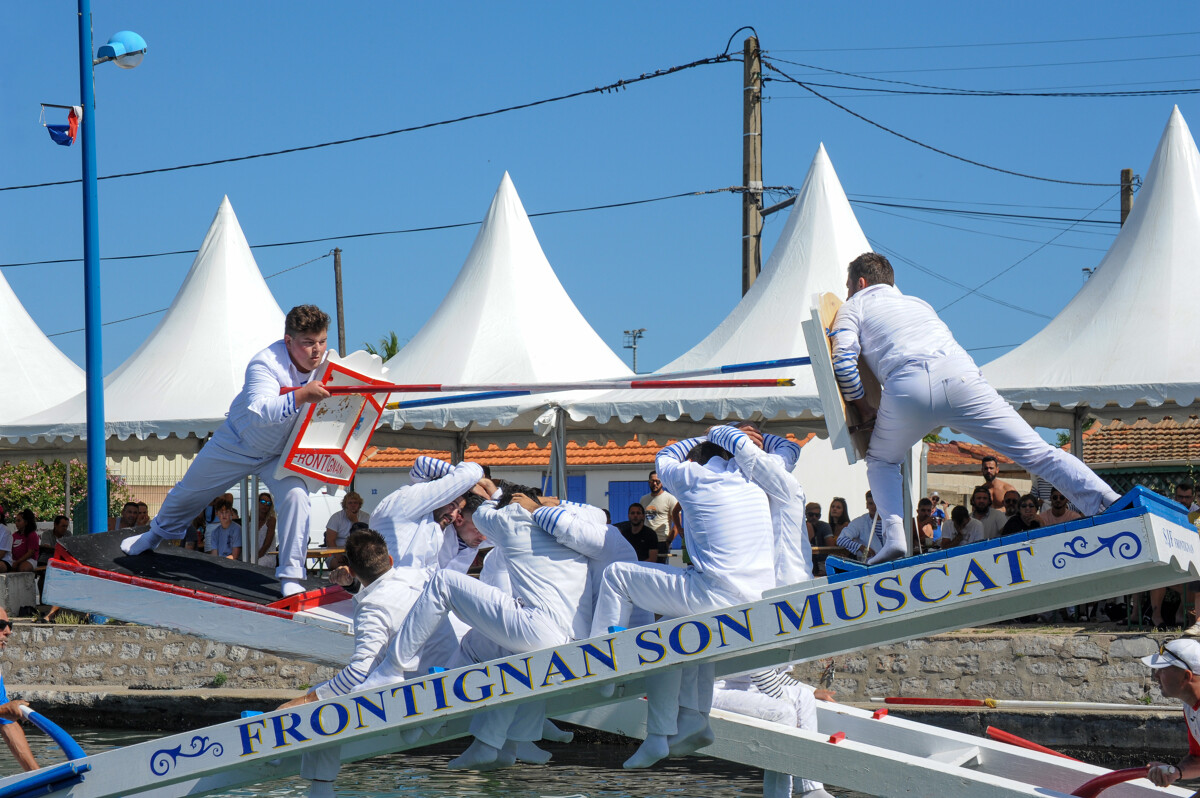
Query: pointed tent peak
x: 822, y: 155
x: 36, y: 373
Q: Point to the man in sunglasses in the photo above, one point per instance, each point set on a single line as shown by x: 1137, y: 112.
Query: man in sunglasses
x: 1177, y: 671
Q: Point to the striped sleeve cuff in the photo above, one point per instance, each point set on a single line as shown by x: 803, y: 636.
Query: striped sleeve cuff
x: 728, y: 438
x: 849, y: 544
x: 679, y: 450
x: 427, y: 469
x: 788, y: 450
x: 845, y: 369
x: 548, y: 517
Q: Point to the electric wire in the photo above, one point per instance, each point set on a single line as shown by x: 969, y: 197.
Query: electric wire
x: 767, y: 63
x: 995, y: 44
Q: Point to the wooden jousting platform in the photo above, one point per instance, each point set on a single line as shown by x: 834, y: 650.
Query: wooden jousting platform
x: 1142, y: 542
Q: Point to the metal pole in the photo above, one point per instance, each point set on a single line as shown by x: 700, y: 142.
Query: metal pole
x: 752, y: 222
x: 1126, y: 194
x: 337, y: 281
x: 97, y: 461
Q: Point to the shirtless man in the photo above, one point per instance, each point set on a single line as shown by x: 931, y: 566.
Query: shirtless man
x: 996, y: 487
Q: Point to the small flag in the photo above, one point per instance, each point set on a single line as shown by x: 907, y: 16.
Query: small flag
x: 65, y: 134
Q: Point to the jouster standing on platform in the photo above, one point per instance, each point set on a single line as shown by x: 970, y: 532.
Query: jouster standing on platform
x: 251, y: 441
x: 929, y: 381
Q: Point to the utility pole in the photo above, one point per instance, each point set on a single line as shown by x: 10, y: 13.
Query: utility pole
x: 1126, y: 194
x: 631, y: 342
x: 752, y: 220
x: 337, y: 282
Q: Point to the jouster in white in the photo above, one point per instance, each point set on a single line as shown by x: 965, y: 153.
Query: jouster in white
x: 251, y: 441
x: 770, y: 468
x: 731, y: 544
x: 862, y: 533
x: 405, y: 516
x: 929, y: 381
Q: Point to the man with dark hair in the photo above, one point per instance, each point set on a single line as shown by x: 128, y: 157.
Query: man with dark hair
x: 862, y: 536
x: 251, y: 441
x: 224, y: 538
x: 127, y: 519
x: 380, y: 608
x: 731, y: 543
x: 46, y: 545
x: 1176, y: 669
x: 924, y: 527
x: 659, y: 507
x: 640, y: 536
x: 997, y: 488
x: 929, y: 381
x: 991, y: 519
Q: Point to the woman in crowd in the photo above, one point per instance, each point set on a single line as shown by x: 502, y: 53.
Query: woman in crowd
x: 266, y: 530
x: 337, y: 529
x: 839, y: 516
x: 25, y: 542
x: 1026, y: 517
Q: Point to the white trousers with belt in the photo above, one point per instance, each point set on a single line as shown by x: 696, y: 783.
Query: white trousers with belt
x: 798, y: 709
x: 220, y: 464
x: 922, y: 396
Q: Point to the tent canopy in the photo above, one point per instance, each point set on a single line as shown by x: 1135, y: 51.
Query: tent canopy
x: 506, y: 318
x: 1127, y: 341
x: 820, y: 238
x: 36, y: 373
x: 180, y: 381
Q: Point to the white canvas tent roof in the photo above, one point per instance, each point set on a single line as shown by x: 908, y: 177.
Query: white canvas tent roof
x: 1127, y: 342
x: 182, y: 378
x: 506, y: 318
x: 820, y: 238
x: 36, y: 373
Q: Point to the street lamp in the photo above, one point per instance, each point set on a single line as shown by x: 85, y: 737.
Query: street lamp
x: 126, y: 49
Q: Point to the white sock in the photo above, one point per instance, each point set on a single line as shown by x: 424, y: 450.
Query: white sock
x: 892, y: 549
x: 653, y: 749
x: 136, y: 544
x: 817, y: 793
x: 694, y: 733
x: 554, y: 734
x: 776, y: 785
x: 528, y: 752
x: 291, y: 587
x: 478, y: 756
x: 321, y: 789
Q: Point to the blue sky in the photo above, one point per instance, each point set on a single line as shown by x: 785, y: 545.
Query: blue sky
x: 225, y: 79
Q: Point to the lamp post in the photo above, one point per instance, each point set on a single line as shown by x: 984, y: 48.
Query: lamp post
x: 126, y: 49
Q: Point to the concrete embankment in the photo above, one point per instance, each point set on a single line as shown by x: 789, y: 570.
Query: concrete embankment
x: 145, y: 678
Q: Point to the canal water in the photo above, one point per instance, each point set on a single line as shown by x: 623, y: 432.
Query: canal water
x: 584, y: 770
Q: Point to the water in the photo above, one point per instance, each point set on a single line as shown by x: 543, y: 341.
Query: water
x: 583, y: 770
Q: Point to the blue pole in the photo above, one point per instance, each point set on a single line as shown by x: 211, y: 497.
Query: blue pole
x: 97, y: 462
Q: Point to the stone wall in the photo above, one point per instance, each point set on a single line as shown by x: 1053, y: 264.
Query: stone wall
x: 1065, y: 666
x: 141, y: 656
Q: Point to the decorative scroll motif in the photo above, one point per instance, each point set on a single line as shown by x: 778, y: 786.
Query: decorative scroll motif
x: 162, y: 761
x: 1125, y: 545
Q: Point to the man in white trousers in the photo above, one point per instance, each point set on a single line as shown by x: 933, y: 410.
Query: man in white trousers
x: 548, y: 582
x: 251, y: 441
x: 929, y: 381
x: 731, y: 546
x: 380, y: 607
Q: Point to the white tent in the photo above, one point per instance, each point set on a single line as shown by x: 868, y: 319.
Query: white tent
x: 36, y: 373
x: 180, y: 381
x: 506, y: 318
x: 820, y: 238
x: 1127, y: 342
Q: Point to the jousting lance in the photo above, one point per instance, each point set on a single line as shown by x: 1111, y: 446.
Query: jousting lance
x: 483, y: 391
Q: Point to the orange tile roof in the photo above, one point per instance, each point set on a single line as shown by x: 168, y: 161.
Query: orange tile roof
x: 961, y: 453
x: 1143, y: 442
x: 591, y: 453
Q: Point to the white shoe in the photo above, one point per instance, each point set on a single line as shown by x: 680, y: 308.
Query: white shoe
x: 1193, y: 630
x: 291, y: 587
x: 137, y: 544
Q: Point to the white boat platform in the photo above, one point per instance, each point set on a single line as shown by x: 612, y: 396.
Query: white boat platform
x: 1142, y: 542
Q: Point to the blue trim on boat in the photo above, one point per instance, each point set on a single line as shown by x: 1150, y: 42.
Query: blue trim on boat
x: 46, y: 780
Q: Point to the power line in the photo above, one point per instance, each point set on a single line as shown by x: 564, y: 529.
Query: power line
x: 164, y: 310
x: 980, y: 232
x: 993, y: 44
x: 611, y: 87
x: 980, y: 68
x: 430, y: 228
x: 767, y: 63
x: 1029, y: 255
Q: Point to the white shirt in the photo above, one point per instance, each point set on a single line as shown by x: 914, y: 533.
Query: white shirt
x: 543, y: 572
x: 770, y: 469
x: 889, y: 329
x: 405, y: 516
x: 6, y: 543
x: 379, y: 611
x: 857, y: 534
x: 340, y: 524
x: 260, y: 418
x: 729, y: 535
x: 583, y: 528
x: 992, y: 523
x: 972, y: 532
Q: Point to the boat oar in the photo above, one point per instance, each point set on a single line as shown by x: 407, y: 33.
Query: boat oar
x: 1008, y: 737
x: 65, y: 741
x: 1102, y: 782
